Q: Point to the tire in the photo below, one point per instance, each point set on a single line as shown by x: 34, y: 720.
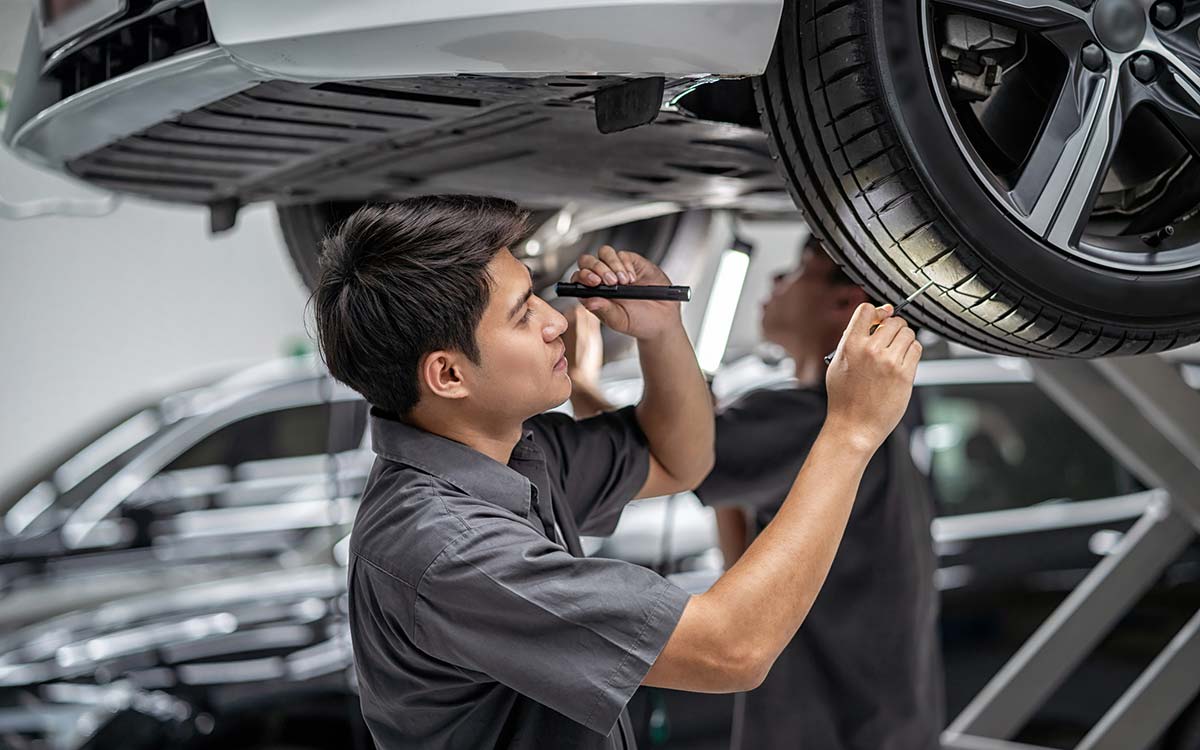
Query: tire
x: 304, y: 226
x: 847, y: 104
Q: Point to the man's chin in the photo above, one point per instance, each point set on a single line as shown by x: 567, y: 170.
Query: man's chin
x: 556, y: 392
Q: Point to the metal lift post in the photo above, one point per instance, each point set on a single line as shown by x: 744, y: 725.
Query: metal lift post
x: 1141, y: 410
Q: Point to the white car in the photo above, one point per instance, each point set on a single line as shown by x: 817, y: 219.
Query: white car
x: 1035, y: 158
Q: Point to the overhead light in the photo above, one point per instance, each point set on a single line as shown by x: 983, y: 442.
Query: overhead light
x: 722, y: 305
x: 562, y: 224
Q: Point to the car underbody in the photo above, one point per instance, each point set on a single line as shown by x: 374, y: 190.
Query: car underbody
x: 529, y: 139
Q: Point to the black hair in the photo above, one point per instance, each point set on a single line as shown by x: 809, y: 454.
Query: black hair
x: 837, y: 276
x: 404, y: 279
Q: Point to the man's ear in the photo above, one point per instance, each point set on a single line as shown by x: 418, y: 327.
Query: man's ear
x: 441, y: 373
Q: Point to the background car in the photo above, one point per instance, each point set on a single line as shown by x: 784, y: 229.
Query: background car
x: 1037, y: 164
x: 250, y: 472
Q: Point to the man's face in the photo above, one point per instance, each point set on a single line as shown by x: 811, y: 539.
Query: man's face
x: 522, y: 370
x: 809, y: 308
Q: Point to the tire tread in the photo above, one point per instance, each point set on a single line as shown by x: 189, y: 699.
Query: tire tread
x: 835, y: 142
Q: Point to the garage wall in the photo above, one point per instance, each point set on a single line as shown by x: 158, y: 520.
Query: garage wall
x: 100, y: 311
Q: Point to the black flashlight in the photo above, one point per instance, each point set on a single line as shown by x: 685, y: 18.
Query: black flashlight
x: 625, y: 291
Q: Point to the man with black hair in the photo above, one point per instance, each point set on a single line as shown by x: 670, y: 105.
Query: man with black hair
x: 476, y: 621
x: 864, y: 672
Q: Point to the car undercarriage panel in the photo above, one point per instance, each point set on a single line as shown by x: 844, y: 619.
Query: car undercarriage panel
x: 531, y: 139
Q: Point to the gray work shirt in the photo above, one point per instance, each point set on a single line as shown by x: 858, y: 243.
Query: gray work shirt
x: 476, y: 621
x: 864, y: 671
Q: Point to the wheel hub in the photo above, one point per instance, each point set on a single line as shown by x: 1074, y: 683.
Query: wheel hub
x: 1132, y: 69
x: 1120, y: 24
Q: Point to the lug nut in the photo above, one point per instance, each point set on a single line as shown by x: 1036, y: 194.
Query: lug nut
x: 1144, y: 68
x: 1164, y: 15
x: 1092, y: 56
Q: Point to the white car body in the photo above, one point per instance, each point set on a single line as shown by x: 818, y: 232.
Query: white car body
x: 312, y: 40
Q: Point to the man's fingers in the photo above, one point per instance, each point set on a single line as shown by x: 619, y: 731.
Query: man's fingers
x: 595, y: 304
x: 633, y: 262
x: 613, y: 260
x: 860, y: 323
x: 887, y: 331
x: 899, y: 345
x: 912, y: 355
x: 609, y: 312
x: 596, y: 271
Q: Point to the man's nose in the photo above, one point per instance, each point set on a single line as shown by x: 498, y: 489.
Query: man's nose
x: 556, y: 326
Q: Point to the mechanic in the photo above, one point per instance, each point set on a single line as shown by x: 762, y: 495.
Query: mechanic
x: 476, y: 621
x: 864, y: 672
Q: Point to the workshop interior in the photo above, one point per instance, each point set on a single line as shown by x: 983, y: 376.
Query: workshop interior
x: 180, y: 472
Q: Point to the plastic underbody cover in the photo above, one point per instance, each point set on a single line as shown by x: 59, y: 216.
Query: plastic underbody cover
x: 534, y: 140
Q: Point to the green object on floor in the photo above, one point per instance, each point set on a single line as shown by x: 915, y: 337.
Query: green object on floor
x: 660, y: 723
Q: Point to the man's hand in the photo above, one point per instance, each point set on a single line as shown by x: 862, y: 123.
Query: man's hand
x: 675, y: 412
x: 645, y: 320
x: 871, y: 376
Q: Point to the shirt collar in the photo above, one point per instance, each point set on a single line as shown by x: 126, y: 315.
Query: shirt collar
x: 464, y: 467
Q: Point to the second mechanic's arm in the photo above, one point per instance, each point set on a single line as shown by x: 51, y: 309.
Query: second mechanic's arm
x: 675, y: 412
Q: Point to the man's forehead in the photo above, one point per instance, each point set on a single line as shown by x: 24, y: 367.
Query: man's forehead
x: 510, y: 280
x: 510, y: 274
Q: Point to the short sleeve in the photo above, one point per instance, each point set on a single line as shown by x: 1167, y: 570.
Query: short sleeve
x: 762, y: 440
x: 601, y: 462
x: 575, y: 634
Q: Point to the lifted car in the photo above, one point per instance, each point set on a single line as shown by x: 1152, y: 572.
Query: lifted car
x: 1034, y: 158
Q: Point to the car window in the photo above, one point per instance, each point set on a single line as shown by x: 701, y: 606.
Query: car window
x: 96, y: 453
x: 287, y: 433
x: 995, y: 446
x: 58, y: 507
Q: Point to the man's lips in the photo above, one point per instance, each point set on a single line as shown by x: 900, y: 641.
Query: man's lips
x: 561, y: 362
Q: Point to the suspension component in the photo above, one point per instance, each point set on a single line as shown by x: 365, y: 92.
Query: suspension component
x: 979, y: 51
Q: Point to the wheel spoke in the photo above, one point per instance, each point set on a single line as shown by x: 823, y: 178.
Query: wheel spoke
x: 1058, y: 186
x: 1180, y: 46
x: 1176, y: 94
x: 1181, y: 111
x: 1037, y: 13
x: 1183, y: 61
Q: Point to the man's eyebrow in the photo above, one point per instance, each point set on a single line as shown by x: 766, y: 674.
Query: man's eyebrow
x: 521, y: 302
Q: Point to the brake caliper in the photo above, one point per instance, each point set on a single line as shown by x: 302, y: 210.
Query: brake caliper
x: 979, y: 52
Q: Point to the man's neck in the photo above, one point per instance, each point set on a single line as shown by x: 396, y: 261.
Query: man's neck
x: 492, y: 440
x: 810, y: 365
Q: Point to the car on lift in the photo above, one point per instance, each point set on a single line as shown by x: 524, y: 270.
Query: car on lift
x: 1029, y: 503
x: 1036, y: 159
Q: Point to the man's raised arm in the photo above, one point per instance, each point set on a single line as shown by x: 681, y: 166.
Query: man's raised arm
x: 728, y: 637
x: 675, y: 412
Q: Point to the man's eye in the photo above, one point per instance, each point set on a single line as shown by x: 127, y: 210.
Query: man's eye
x: 528, y: 314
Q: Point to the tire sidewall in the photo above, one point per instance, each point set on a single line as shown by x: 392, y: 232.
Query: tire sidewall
x: 1021, y: 260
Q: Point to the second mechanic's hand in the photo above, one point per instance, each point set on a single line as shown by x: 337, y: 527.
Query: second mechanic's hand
x: 871, y: 376
x: 643, y: 319
x: 585, y: 347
